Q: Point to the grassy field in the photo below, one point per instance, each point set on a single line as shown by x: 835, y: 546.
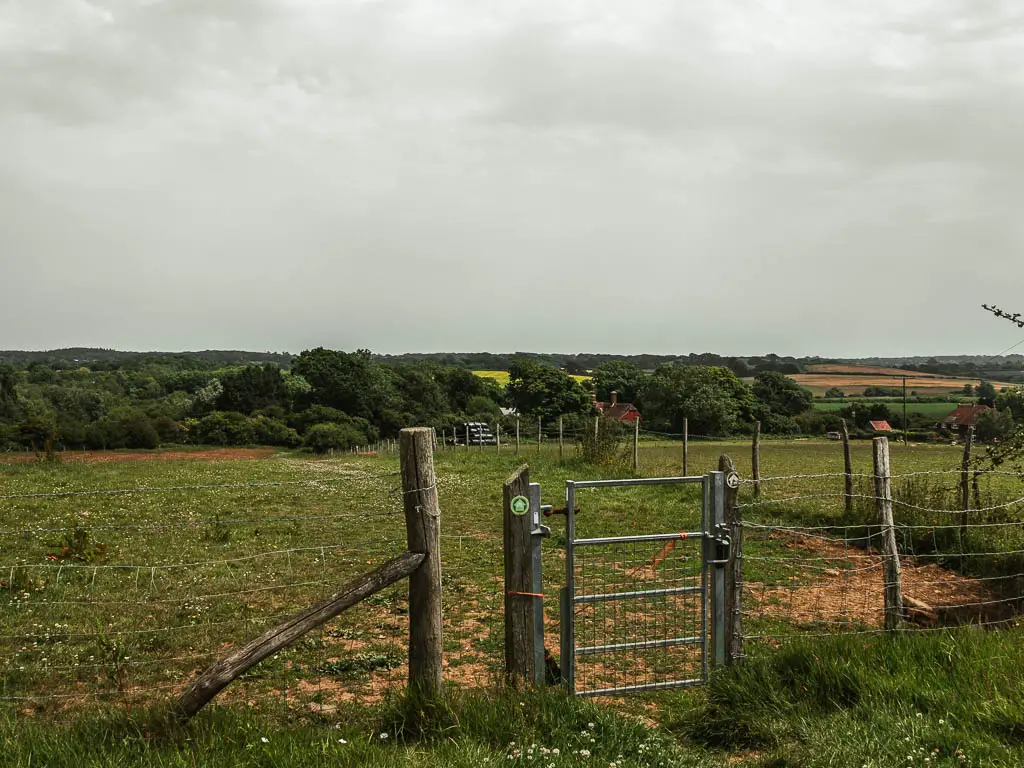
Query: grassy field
x: 938, y: 410
x: 112, y: 602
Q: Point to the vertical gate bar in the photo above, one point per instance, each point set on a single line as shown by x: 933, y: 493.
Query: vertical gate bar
x: 717, y: 498
x: 537, y: 585
x: 704, y: 578
x: 569, y: 601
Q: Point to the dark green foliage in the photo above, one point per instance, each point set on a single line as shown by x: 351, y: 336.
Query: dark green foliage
x: 621, y: 377
x: 350, y: 382
x: 835, y: 392
x: 714, y: 400
x: 321, y: 438
x: 781, y: 394
x: 986, y: 393
x: 1012, y: 399
x: 545, y: 391
x: 994, y: 425
x: 252, y: 388
x: 220, y: 428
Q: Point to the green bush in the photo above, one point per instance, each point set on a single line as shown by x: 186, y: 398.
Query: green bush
x: 320, y: 438
x: 225, y: 428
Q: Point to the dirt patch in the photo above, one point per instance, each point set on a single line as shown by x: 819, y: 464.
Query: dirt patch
x: 832, y: 583
x: 107, y: 457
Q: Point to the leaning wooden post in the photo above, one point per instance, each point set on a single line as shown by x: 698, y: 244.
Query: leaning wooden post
x: 686, y: 445
x: 848, y: 470
x: 965, y: 485
x: 561, y: 450
x: 734, y: 568
x: 755, y: 459
x: 890, y: 554
x: 423, y: 531
x: 219, y: 675
x: 517, y: 517
x: 636, y: 443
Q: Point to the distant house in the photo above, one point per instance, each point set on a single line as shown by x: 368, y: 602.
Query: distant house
x: 880, y: 426
x: 627, y: 413
x: 962, y: 419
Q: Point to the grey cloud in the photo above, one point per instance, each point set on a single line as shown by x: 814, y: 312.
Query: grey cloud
x: 283, y: 173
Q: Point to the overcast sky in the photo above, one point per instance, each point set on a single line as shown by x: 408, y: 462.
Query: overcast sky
x: 789, y: 176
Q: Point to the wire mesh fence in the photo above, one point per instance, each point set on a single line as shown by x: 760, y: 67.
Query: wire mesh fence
x: 121, y: 595
x: 813, y: 556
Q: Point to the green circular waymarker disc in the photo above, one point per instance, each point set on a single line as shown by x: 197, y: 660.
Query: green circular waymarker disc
x: 520, y: 505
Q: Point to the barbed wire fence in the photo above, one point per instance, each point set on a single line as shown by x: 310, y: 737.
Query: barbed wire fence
x: 119, y: 596
x: 815, y: 558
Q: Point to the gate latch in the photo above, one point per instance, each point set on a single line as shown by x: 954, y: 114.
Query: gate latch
x: 723, y: 544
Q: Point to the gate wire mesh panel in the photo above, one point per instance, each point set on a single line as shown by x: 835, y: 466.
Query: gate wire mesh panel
x: 647, y: 640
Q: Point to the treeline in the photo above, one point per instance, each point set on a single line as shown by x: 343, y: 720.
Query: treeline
x: 330, y: 399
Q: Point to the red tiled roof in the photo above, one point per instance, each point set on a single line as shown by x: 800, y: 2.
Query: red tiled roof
x: 880, y: 426
x: 625, y: 412
x: 964, y: 415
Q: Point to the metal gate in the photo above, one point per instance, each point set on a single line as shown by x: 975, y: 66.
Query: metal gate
x: 635, y: 609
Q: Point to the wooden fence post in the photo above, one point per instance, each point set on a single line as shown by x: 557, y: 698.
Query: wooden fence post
x: 636, y: 443
x: 734, y: 568
x: 755, y: 459
x: 890, y: 554
x: 597, y: 426
x: 540, y: 434
x: 517, y: 435
x: 423, y: 531
x: 848, y: 471
x: 686, y: 445
x: 467, y: 438
x: 519, y: 597
x: 965, y: 484
x: 497, y: 435
x: 561, y: 450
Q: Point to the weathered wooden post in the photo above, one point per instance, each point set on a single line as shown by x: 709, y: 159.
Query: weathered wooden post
x: 540, y: 434
x: 423, y: 531
x: 686, y: 445
x: 467, y: 438
x: 848, y: 471
x: 517, y: 435
x: 523, y: 600
x: 890, y: 553
x: 965, y: 484
x: 497, y: 435
x: 734, y: 569
x: 561, y: 449
x: 755, y: 460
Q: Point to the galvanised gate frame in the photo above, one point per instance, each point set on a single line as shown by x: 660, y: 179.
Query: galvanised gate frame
x: 683, y: 597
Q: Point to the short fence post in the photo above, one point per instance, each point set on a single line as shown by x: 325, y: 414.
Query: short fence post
x: 561, y: 450
x: 467, y: 438
x: 686, y: 445
x: 890, y: 554
x: 734, y: 569
x: 755, y: 460
x: 848, y: 471
x: 597, y: 425
x: 540, y: 434
x: 497, y: 435
x: 517, y: 435
x: 423, y: 531
x: 636, y: 443
x: 965, y: 485
x: 520, y: 595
